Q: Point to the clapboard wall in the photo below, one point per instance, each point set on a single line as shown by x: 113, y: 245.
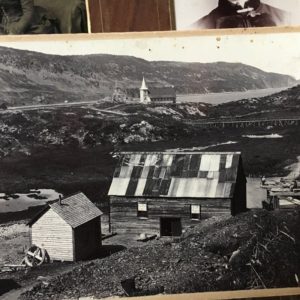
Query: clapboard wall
x: 52, y: 233
x: 124, y: 219
x: 64, y: 243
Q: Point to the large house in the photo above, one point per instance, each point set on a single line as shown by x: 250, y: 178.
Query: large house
x: 163, y: 193
x: 157, y: 94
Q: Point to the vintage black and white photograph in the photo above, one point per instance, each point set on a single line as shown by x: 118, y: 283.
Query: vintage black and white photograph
x: 218, y: 14
x: 42, y: 17
x: 149, y: 165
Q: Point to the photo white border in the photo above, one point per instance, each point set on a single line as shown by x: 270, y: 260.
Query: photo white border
x: 268, y: 293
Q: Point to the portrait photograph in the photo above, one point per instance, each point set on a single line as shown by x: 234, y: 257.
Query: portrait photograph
x: 149, y: 165
x: 219, y: 14
x: 42, y: 17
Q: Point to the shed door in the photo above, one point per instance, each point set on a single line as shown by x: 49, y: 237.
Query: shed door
x: 170, y: 227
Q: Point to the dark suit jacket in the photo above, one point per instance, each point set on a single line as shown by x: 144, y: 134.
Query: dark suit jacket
x: 71, y: 14
x: 16, y: 15
x: 42, y: 16
x: 226, y: 16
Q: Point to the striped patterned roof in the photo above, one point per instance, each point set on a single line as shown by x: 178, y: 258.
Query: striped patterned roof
x: 76, y: 210
x: 176, y: 175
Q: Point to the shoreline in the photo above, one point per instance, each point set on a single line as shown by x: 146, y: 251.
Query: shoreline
x: 214, y: 98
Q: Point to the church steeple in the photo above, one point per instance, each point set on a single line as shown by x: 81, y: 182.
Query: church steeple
x: 144, y: 86
x: 144, y: 92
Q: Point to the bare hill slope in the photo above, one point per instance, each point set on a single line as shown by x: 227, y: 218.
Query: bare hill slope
x: 30, y: 78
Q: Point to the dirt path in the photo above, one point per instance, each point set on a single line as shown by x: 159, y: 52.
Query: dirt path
x: 24, y: 280
x: 294, y: 170
x: 255, y: 194
x: 109, y: 111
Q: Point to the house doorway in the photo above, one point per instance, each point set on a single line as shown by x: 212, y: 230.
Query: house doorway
x: 170, y: 227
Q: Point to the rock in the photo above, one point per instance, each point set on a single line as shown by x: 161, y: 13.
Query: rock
x: 235, y: 257
x: 142, y: 236
x: 175, y: 261
x: 45, y: 283
x: 42, y: 278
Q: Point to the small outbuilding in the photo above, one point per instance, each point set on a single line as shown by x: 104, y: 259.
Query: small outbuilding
x: 69, y: 229
x: 164, y: 192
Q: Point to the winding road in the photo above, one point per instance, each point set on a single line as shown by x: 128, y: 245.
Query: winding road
x: 69, y: 104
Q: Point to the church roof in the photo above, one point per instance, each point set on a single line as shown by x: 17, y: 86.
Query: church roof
x: 162, y: 92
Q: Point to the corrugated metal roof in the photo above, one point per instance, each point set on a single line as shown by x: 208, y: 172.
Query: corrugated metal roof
x: 76, y: 210
x: 184, y: 174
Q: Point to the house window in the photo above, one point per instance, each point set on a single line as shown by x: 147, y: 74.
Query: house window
x: 195, y: 212
x: 142, y: 211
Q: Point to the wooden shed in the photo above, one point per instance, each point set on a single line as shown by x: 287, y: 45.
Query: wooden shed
x: 69, y: 229
x: 163, y: 193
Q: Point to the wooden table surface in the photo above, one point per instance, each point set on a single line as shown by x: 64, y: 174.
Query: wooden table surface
x: 131, y: 15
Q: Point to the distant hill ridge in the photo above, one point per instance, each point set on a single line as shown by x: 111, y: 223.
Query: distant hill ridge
x: 28, y: 77
x: 284, y: 104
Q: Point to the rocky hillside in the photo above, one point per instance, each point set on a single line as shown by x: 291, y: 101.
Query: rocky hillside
x: 38, y: 143
x: 280, y: 105
x: 219, y: 77
x: 253, y: 250
x: 88, y: 126
x: 32, y: 78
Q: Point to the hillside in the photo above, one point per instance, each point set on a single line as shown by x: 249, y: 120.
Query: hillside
x: 219, y: 77
x: 280, y: 105
x: 266, y: 247
x: 35, y: 146
x: 31, y: 78
x: 38, y: 143
x: 88, y: 126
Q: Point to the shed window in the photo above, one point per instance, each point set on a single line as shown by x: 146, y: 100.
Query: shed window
x: 195, y: 212
x: 142, y: 211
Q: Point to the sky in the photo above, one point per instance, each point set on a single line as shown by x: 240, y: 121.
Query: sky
x: 270, y: 52
x: 189, y: 11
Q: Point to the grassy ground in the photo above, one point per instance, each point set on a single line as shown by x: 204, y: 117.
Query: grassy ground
x: 13, y: 240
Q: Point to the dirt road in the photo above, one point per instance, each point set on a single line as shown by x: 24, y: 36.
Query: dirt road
x: 294, y: 170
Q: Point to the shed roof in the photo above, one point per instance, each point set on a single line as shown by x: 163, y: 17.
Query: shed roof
x: 75, y: 210
x: 176, y: 175
x: 162, y: 92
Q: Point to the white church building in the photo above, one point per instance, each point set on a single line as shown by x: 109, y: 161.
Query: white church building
x: 157, y: 94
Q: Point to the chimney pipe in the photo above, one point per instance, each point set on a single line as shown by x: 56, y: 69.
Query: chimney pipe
x: 59, y: 201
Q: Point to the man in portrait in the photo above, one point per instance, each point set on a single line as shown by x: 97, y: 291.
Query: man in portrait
x: 42, y: 16
x: 22, y: 17
x: 241, y: 14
